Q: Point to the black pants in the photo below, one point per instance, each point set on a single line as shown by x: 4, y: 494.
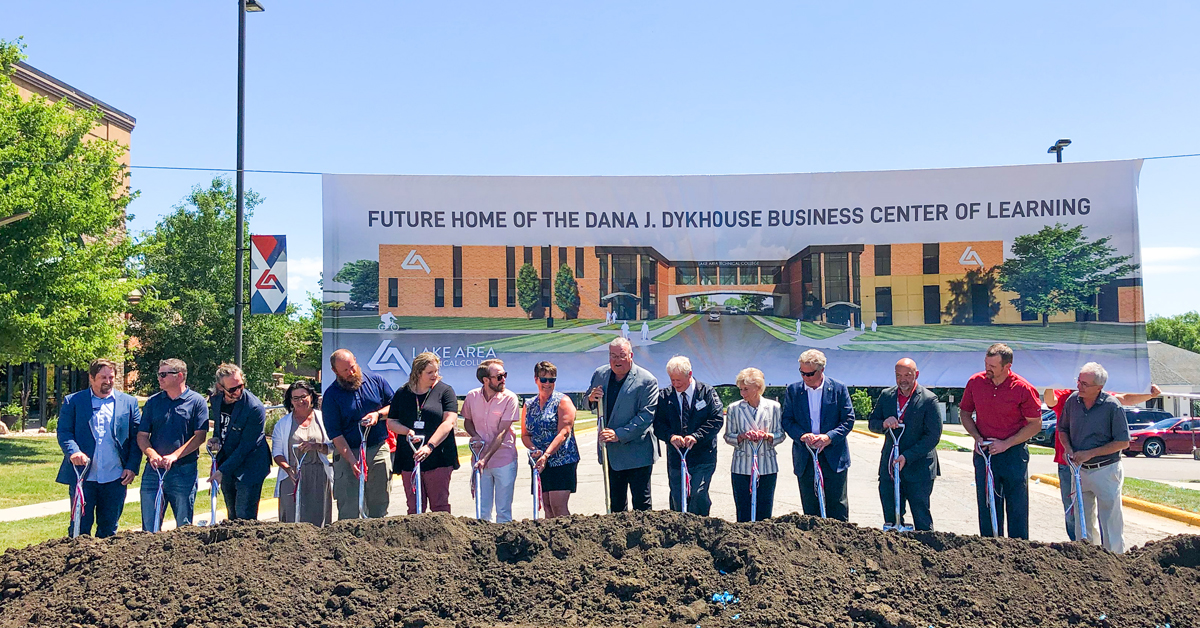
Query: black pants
x: 1010, y: 471
x: 627, y: 482
x: 914, y: 493
x: 837, y: 504
x: 766, y: 496
x: 241, y: 498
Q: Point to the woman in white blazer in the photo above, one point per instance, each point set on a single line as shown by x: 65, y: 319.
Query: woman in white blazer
x: 301, y: 447
x: 754, y: 428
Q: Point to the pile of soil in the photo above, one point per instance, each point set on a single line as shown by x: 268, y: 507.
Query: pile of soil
x: 629, y: 569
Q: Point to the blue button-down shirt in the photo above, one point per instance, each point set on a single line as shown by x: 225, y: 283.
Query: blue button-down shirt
x: 106, y: 460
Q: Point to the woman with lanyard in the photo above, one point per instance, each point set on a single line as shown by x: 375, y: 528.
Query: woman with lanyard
x: 300, y: 448
x: 548, y: 431
x: 424, y: 412
x: 753, y: 426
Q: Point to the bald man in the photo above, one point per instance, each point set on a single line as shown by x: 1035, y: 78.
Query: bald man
x: 911, y: 405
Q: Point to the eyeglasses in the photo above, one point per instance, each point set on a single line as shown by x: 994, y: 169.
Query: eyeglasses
x: 547, y: 380
x: 167, y: 373
x: 296, y: 398
x: 499, y: 376
x: 233, y: 390
x: 808, y: 373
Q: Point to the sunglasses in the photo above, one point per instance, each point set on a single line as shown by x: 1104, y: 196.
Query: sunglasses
x: 233, y: 390
x: 499, y: 376
x: 547, y: 380
x: 167, y: 373
x: 808, y: 373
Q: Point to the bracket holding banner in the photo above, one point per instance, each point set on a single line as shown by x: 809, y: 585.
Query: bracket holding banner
x: 268, y: 274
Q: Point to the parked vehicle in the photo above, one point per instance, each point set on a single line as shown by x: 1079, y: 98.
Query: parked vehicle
x: 1142, y: 418
x: 1168, y: 436
x: 714, y: 316
x: 1045, y: 437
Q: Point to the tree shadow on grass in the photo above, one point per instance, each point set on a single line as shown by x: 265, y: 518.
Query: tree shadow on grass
x: 28, y: 451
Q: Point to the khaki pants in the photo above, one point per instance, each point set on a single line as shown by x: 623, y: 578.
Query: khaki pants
x: 378, y: 487
x: 1102, y: 502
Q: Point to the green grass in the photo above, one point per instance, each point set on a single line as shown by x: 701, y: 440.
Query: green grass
x: 946, y: 445
x: 770, y: 329
x: 674, y: 331
x: 809, y: 329
x: 1069, y: 333
x: 456, y: 322
x: 657, y: 323
x: 547, y: 343
x: 1038, y: 450
x: 31, y: 531
x: 1181, y: 498
x: 967, y: 346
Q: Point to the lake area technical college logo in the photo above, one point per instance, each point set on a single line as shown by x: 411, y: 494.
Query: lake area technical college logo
x: 970, y: 257
x: 388, y: 358
x: 413, y: 261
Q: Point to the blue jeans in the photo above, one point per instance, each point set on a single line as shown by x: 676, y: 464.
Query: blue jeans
x: 698, y: 500
x: 103, y: 504
x: 179, y: 491
x: 1065, y: 484
x: 241, y: 498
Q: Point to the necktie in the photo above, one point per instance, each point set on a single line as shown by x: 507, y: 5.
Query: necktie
x: 684, y: 410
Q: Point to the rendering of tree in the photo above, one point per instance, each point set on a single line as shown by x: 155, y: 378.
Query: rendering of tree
x: 63, y: 268
x: 566, y: 292
x: 189, y: 261
x: 363, y: 277
x: 1057, y: 270
x: 528, y: 289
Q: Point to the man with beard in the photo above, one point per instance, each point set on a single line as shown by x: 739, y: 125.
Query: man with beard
x: 243, y: 456
x: 911, y: 407
x: 97, y: 429
x: 488, y: 416
x: 358, y: 400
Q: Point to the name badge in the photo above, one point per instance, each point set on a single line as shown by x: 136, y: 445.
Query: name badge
x: 702, y: 405
x: 419, y: 425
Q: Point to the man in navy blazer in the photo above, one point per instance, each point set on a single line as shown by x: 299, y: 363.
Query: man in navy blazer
x: 688, y: 418
x: 817, y: 413
x: 243, y: 456
x: 97, y: 429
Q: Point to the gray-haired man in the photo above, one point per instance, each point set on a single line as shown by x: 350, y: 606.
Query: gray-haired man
x: 630, y: 395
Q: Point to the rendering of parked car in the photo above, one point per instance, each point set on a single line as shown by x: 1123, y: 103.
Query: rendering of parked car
x: 714, y: 316
x: 1169, y: 436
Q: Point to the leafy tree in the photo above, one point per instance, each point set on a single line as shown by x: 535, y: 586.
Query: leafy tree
x: 189, y: 259
x: 1058, y: 270
x: 309, y: 331
x: 1182, y: 331
x: 363, y: 277
x: 63, y: 277
x: 529, y: 289
x: 566, y: 292
x: 861, y: 399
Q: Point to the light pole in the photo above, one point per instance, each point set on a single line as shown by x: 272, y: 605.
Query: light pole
x: 1058, y: 147
x: 244, y: 6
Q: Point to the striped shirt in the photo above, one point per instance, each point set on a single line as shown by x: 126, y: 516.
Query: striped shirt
x: 741, y: 418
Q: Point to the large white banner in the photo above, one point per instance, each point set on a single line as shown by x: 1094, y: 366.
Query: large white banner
x: 740, y: 271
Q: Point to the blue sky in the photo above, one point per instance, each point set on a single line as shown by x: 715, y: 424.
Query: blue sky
x: 619, y: 88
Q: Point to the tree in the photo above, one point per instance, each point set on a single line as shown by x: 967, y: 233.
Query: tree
x: 528, y: 289
x: 63, y: 270
x: 566, y: 292
x: 309, y: 331
x: 1057, y: 270
x: 189, y: 259
x: 363, y: 277
x: 1182, y: 331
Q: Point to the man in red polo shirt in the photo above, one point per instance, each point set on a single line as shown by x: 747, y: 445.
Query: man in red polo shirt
x: 1001, y: 409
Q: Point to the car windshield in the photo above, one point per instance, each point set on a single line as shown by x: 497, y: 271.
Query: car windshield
x: 1164, y: 424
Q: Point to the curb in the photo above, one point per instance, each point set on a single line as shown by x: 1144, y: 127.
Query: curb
x: 1169, y: 512
x: 871, y: 434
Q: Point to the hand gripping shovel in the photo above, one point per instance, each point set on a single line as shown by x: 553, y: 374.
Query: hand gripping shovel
x: 476, y: 447
x: 991, y: 484
x: 1077, y: 501
x: 897, y: 524
x: 77, y: 502
x: 685, y: 478
x: 537, y: 486
x: 818, y: 478
x: 416, y: 476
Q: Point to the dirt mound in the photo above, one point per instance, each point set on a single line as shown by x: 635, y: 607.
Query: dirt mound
x: 631, y: 569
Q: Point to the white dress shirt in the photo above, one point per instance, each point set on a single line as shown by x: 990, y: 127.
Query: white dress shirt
x: 814, y: 405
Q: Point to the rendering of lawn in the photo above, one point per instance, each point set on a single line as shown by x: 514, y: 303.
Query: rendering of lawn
x: 455, y: 322
x: 547, y: 343
x: 1068, y: 333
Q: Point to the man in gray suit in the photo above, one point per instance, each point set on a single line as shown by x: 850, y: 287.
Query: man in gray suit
x: 630, y: 395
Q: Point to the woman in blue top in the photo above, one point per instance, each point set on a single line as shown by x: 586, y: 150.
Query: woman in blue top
x: 548, y: 431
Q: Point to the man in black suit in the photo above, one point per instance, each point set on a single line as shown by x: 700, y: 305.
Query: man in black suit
x: 688, y: 417
x: 243, y: 456
x: 817, y: 413
x: 912, y: 406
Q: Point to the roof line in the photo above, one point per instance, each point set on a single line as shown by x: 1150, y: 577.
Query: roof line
x: 76, y: 96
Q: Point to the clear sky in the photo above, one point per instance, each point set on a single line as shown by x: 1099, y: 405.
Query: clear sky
x: 616, y: 88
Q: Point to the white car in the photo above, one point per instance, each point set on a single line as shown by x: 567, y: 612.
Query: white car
x: 714, y: 317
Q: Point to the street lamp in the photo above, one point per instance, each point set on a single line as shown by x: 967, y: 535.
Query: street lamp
x: 13, y: 218
x: 244, y: 6
x: 1058, y: 148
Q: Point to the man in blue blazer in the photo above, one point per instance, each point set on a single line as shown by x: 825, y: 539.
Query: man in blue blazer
x: 243, y: 456
x: 817, y: 413
x: 630, y: 395
x: 97, y: 429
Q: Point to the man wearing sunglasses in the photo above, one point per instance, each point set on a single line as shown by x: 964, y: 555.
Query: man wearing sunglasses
x: 243, y: 457
x: 818, y: 415
x: 488, y: 415
x: 174, y: 425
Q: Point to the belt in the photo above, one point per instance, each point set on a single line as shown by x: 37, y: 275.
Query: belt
x: 1098, y: 465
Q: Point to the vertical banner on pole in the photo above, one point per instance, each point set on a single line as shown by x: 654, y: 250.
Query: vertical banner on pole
x: 268, y: 272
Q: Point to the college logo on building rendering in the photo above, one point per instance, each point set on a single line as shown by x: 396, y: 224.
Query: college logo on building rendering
x: 388, y: 358
x: 970, y: 257
x: 414, y: 262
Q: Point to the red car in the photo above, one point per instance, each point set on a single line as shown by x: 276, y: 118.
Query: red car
x: 1168, y: 436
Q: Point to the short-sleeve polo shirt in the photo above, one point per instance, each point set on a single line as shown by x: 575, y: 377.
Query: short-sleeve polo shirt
x: 1000, y: 411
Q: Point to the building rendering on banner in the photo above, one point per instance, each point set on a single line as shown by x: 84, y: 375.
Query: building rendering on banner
x: 896, y: 284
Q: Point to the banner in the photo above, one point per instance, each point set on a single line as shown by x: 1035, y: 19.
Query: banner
x: 739, y: 271
x: 268, y: 272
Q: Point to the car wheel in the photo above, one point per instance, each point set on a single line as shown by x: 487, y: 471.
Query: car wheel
x: 1153, y: 448
x: 1131, y: 454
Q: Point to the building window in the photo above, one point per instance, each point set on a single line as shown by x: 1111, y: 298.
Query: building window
x: 547, y: 264
x: 685, y: 275
x: 883, y: 260
x: 837, y: 278
x: 625, y: 280
x: 770, y: 275
x: 439, y: 293
x: 933, y: 305
x: 458, y: 262
x: 708, y: 275
x: 931, y: 259
x: 728, y: 275
x: 458, y: 293
x: 510, y: 282
x: 393, y: 292
x: 748, y: 275
x: 529, y: 255
x: 854, y: 276
x: 546, y: 288
x: 810, y: 287
x: 493, y: 293
x: 562, y: 256
x: 649, y: 288
x: 579, y: 262
x: 603, y: 278
x: 883, y: 306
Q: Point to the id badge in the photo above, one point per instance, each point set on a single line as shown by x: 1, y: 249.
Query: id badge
x: 419, y: 425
